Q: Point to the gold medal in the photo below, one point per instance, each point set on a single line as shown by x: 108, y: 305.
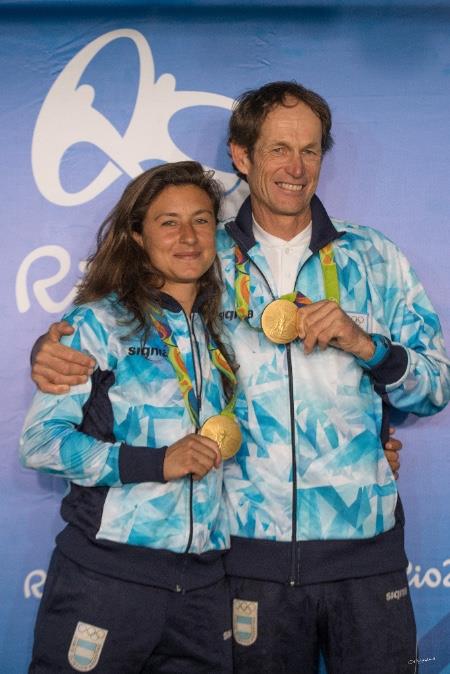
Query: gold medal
x: 279, y: 321
x: 224, y: 430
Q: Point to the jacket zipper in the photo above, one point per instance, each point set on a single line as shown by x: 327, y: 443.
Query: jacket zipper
x: 179, y: 587
x: 198, y: 396
x: 293, y: 576
x: 293, y: 579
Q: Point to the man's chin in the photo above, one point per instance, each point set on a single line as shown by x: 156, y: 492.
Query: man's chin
x: 290, y: 210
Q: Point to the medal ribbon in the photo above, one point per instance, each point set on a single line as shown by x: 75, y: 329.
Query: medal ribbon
x: 219, y: 361
x: 184, y: 381
x: 242, y: 281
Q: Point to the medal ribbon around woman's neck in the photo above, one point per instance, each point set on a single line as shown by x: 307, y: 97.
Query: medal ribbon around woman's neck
x: 280, y: 313
x: 223, y: 427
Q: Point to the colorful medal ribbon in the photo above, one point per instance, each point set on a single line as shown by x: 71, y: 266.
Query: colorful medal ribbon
x: 184, y: 381
x: 219, y: 361
x: 242, y: 281
x: 329, y: 273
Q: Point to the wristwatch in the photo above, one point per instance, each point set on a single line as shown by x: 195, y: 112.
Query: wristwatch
x: 382, y: 346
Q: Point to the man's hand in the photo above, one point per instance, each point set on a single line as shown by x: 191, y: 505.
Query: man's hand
x: 55, y: 368
x: 325, y: 324
x: 193, y: 454
x: 391, y: 450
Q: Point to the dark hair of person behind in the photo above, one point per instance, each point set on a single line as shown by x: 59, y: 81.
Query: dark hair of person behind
x: 120, y: 265
x: 252, y: 107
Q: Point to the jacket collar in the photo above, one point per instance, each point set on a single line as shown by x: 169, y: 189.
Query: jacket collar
x: 323, y: 230
x: 170, y: 303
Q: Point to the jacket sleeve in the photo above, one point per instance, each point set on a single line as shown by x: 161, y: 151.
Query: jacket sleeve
x: 415, y: 374
x: 51, y: 440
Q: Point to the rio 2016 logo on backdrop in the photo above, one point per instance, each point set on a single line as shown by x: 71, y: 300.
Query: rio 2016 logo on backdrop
x: 68, y: 117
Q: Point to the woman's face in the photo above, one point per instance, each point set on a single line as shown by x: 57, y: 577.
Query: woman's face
x: 178, y: 234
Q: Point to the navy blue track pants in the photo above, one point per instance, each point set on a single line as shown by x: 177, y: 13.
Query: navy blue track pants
x: 91, y: 622
x: 361, y: 626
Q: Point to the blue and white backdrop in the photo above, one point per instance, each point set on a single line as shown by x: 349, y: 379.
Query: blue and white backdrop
x: 92, y: 93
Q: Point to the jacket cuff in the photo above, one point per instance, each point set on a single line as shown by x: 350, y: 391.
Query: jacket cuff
x: 391, y: 369
x: 141, y: 464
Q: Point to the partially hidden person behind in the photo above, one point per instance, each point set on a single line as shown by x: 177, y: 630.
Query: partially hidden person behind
x: 136, y: 582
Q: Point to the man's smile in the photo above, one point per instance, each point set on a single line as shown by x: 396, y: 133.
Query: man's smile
x: 293, y: 187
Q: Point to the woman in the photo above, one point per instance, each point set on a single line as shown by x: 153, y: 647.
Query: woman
x: 136, y: 583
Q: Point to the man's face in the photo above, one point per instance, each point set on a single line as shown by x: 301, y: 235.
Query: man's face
x: 284, y: 170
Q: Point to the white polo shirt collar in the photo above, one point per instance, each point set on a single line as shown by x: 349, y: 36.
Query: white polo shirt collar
x: 283, y: 257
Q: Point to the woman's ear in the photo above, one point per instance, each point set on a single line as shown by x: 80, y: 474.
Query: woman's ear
x: 138, y: 238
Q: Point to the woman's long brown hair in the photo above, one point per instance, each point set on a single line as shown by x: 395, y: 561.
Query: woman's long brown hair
x: 120, y: 265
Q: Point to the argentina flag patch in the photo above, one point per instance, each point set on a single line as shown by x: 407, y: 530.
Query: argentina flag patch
x: 245, y: 621
x: 86, y: 647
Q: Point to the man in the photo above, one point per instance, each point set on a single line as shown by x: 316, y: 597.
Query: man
x: 317, y: 548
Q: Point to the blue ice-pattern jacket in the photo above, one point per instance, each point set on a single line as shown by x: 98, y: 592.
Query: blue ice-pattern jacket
x: 108, y: 437
x: 311, y: 467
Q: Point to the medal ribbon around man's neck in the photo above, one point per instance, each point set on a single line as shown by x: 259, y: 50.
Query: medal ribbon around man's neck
x: 184, y: 381
x: 242, y: 281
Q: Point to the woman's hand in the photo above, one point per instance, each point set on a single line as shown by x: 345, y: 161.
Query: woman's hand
x: 192, y: 455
